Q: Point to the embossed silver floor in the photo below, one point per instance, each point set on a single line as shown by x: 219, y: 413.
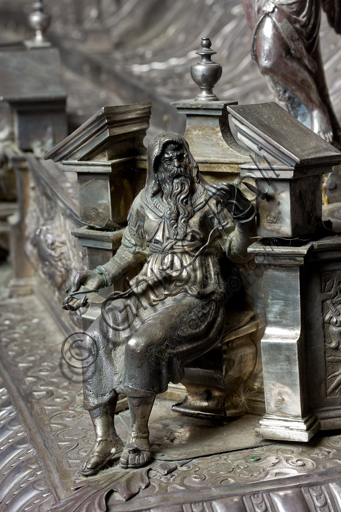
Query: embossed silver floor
x: 190, y: 454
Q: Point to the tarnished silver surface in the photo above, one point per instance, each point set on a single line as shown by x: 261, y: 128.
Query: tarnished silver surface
x: 8, y: 192
x: 179, y: 315
x: 170, y: 432
x: 22, y: 268
x: 301, y: 340
x: 271, y: 133
x: 6, y: 209
x: 287, y: 413
x: 40, y: 22
x: 52, y: 212
x: 222, y: 383
x: 153, y: 44
x: 287, y: 475
x: 331, y: 215
x: 285, y: 45
x: 105, y: 152
x: 23, y: 483
x: 331, y: 300
x: 273, y: 500
x: 38, y: 102
x: 207, y: 126
x: 42, y: 71
x: 287, y: 168
x: 205, y: 72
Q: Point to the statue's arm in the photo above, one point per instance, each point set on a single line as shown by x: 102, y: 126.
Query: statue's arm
x: 239, y: 240
x: 133, y: 250
x: 234, y: 237
x: 235, y: 220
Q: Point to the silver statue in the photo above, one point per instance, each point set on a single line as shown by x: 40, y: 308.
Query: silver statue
x: 286, y: 47
x: 174, y: 311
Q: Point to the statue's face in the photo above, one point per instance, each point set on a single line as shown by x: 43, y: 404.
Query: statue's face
x: 174, y: 160
x: 175, y: 178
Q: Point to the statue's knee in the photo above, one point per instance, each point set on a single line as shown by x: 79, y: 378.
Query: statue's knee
x: 267, y: 61
x: 269, y: 47
x: 135, y: 346
x: 265, y: 64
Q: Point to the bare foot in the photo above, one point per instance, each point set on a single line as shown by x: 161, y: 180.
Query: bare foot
x: 101, y: 452
x: 320, y: 124
x: 137, y: 452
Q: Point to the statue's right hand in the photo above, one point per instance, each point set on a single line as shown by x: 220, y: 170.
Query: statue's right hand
x: 91, y: 280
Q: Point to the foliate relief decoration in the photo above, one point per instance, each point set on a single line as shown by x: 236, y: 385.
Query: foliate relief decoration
x: 52, y: 250
x: 164, y: 478
x: 23, y: 487
x: 259, y: 503
x: 7, y: 176
x: 334, y: 442
x: 331, y: 308
x: 256, y: 503
x: 197, y: 507
x: 243, y: 467
x: 258, y: 464
x: 92, y: 495
x: 317, y: 498
x: 264, y: 463
x: 30, y: 346
x: 31, y: 349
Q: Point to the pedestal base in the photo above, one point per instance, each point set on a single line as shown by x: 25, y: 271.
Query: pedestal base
x: 329, y: 418
x: 288, y: 429
x: 300, y: 346
x: 19, y: 287
x: 204, y: 402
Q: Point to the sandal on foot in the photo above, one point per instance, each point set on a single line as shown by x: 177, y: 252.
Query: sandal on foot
x: 132, y: 449
x: 98, y: 459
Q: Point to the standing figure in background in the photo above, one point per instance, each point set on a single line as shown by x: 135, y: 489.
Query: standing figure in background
x: 285, y: 45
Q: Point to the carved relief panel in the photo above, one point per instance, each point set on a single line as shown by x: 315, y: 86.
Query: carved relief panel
x: 50, y: 247
x: 331, y: 304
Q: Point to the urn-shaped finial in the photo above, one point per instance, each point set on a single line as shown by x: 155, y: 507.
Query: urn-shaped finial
x: 40, y: 22
x: 206, y: 73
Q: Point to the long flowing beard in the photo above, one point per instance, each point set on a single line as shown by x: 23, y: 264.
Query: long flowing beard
x: 177, y: 193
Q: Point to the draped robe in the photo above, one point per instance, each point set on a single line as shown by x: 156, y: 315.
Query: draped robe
x: 174, y: 310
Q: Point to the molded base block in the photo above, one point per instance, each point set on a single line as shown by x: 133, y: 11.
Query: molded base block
x: 201, y: 413
x: 288, y: 429
x: 19, y: 287
x: 174, y: 392
x: 203, y: 402
x: 329, y: 417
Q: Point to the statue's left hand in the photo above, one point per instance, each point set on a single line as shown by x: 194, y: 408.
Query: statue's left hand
x: 232, y: 198
x: 89, y: 280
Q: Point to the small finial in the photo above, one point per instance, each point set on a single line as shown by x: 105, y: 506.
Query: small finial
x: 40, y: 22
x: 206, y: 73
x: 206, y: 43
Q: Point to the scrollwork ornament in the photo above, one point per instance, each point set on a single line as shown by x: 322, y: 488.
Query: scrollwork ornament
x: 331, y: 307
x: 259, y: 503
x: 319, y: 498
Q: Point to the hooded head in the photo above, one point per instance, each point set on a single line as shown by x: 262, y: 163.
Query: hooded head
x: 154, y: 152
x: 172, y: 170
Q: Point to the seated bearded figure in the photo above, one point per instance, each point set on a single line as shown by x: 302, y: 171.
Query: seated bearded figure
x: 174, y: 311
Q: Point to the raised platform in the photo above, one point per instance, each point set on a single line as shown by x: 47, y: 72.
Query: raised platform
x: 198, y: 465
